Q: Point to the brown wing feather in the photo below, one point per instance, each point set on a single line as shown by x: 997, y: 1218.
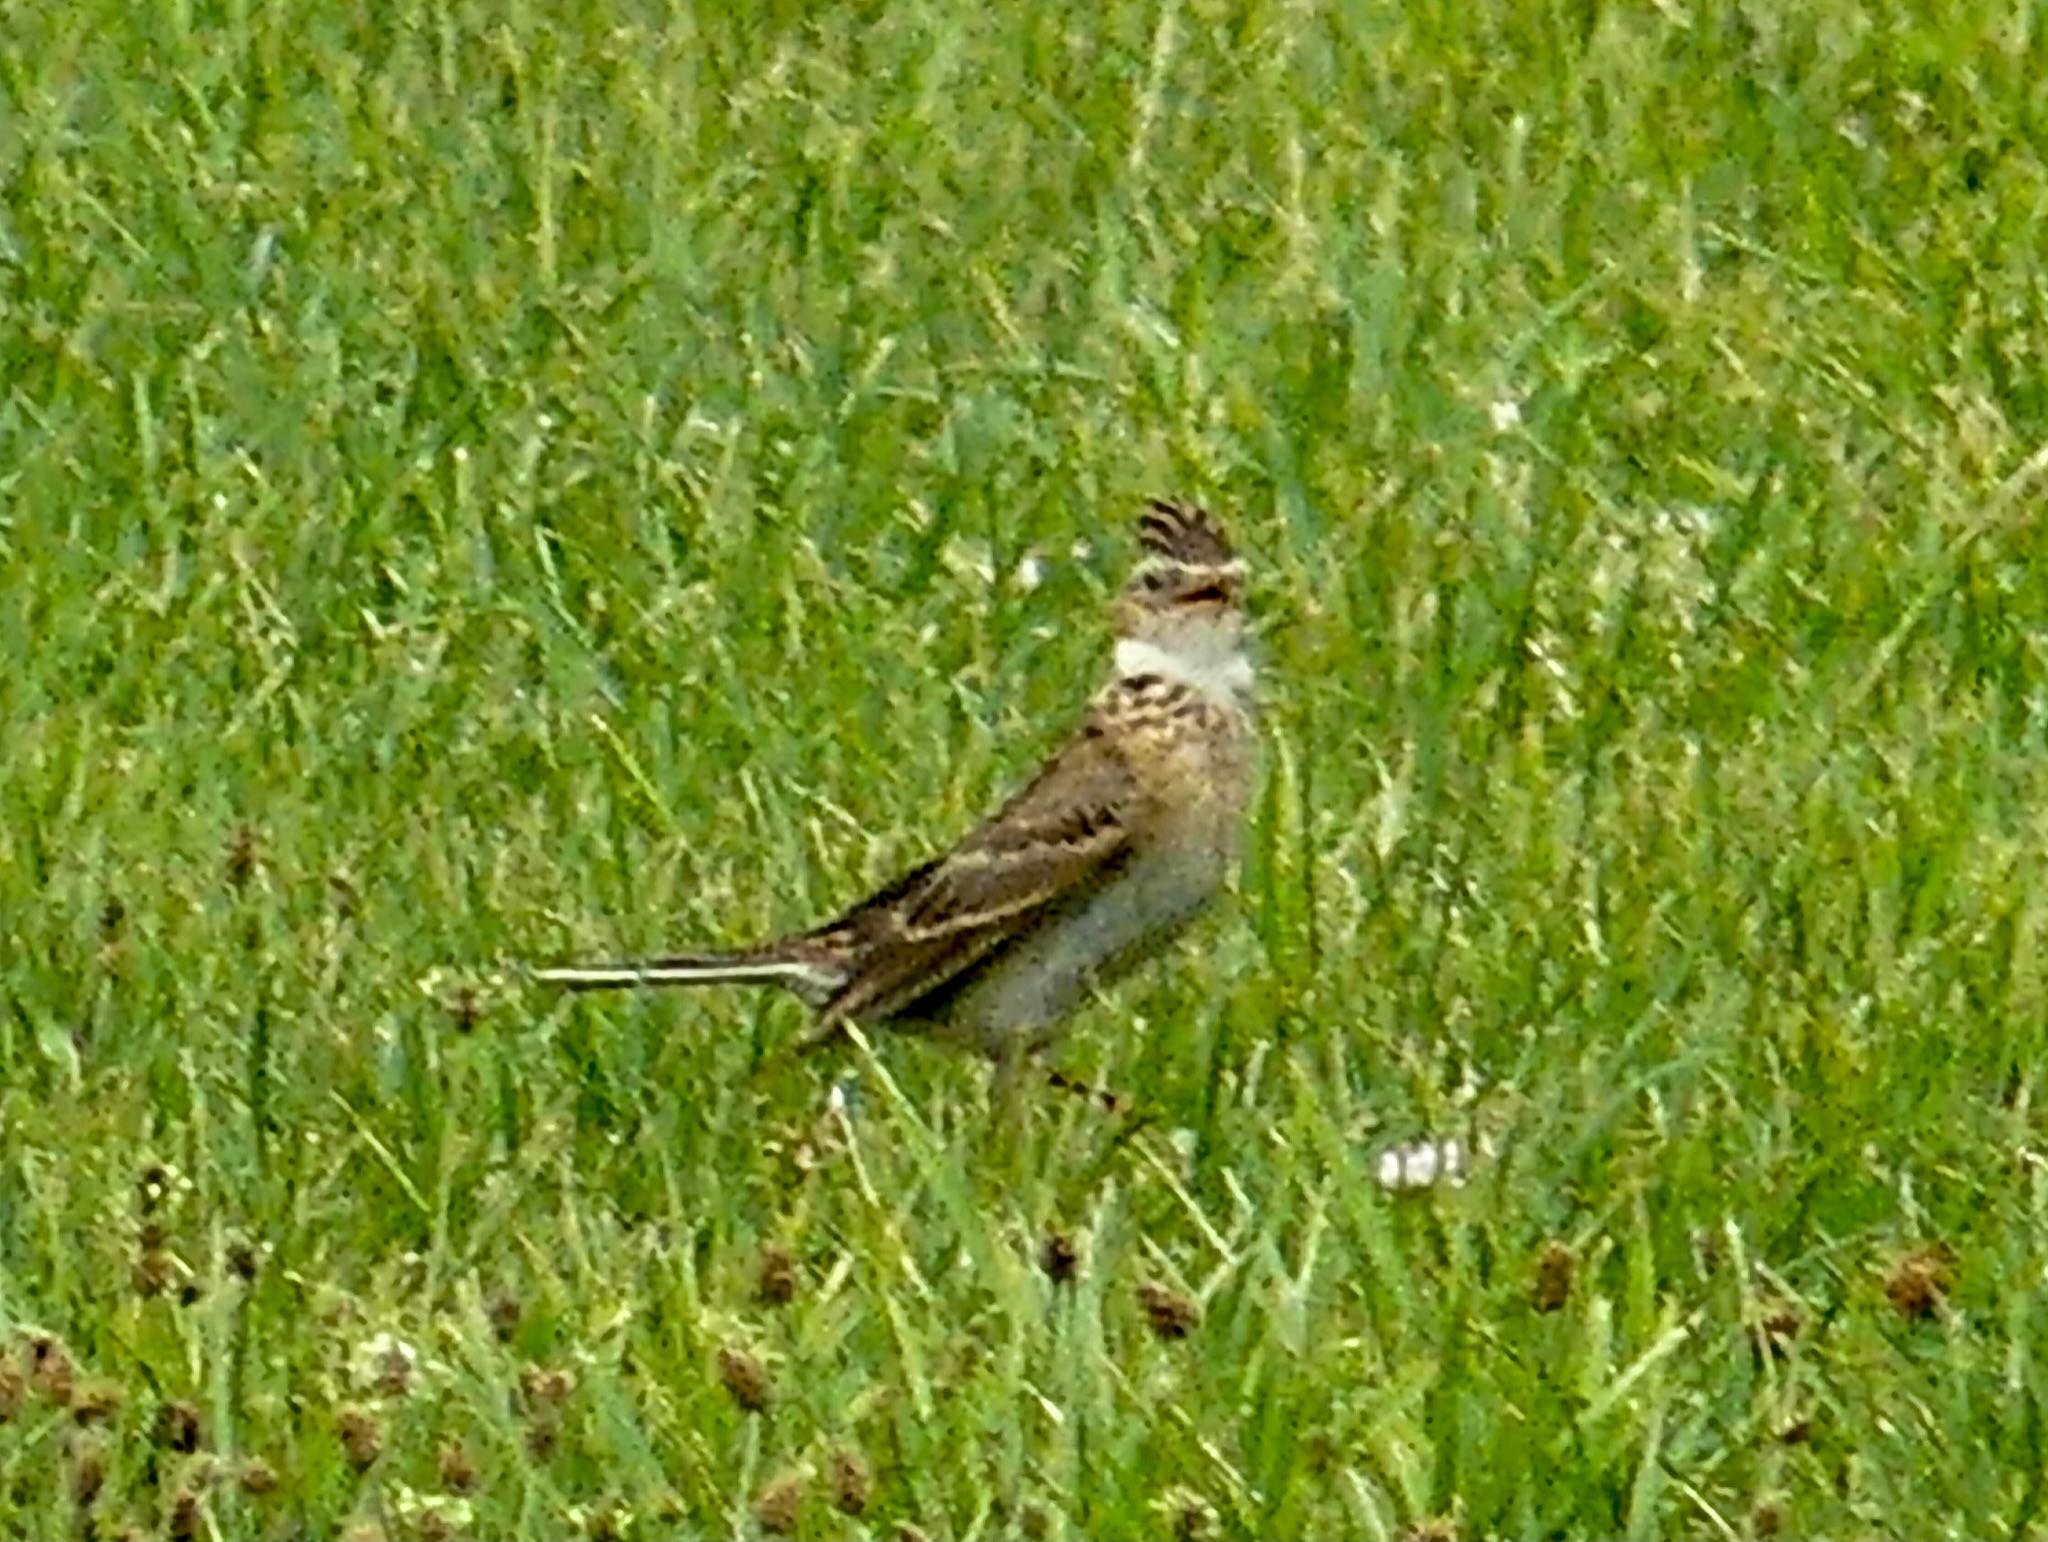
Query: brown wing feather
x: 925, y: 929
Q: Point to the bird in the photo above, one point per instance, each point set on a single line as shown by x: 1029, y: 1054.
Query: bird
x: 1124, y: 835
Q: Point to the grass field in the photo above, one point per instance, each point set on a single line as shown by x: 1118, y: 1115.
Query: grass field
x: 482, y: 484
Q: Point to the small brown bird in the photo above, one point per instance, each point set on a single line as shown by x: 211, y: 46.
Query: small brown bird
x: 1109, y: 851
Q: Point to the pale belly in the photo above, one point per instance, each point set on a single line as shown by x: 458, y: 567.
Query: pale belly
x: 1017, y: 1001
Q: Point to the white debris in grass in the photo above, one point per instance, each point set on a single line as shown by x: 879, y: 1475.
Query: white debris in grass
x: 384, y: 1360
x: 1423, y: 1164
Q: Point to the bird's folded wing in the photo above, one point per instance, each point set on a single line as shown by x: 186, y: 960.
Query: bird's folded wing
x: 1045, y: 844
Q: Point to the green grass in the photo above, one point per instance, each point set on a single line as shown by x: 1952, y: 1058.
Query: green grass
x: 481, y: 485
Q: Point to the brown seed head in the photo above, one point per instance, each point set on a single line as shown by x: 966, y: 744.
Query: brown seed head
x: 154, y: 1271
x: 394, y: 1372
x: 242, y: 856
x: 112, y: 914
x: 850, y: 1483
x: 1767, y: 1520
x: 51, y: 1370
x: 780, y: 1505
x: 88, y: 1472
x: 546, y: 1387
x: 244, y: 1260
x: 1189, y: 1517
x: 1797, y: 1433
x: 1920, y: 1281
x: 1172, y: 1314
x: 257, y: 1478
x: 184, y: 1519
x: 1552, y: 1287
x: 13, y: 1389
x: 1058, y: 1257
x: 458, y: 1467
x: 775, y: 1278
x: 1777, y: 1325
x: 361, y: 1440
x: 543, y: 1433
x: 746, y: 1378
x: 96, y: 1401
x: 178, y: 1427
x: 505, y: 1313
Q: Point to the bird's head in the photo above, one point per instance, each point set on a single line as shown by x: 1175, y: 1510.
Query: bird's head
x: 1183, y: 610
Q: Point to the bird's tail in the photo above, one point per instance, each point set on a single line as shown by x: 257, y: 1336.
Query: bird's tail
x: 811, y: 978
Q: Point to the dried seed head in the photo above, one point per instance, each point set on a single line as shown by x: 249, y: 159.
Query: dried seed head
x: 850, y: 1483
x: 505, y: 1313
x: 543, y: 1433
x: 154, y: 1271
x: 1552, y: 1287
x: 88, y: 1473
x: 13, y: 1389
x: 184, y: 1519
x: 1920, y: 1281
x: 257, y: 1478
x: 605, y: 1524
x: 1777, y: 1325
x: 242, y: 856
x: 153, y: 1234
x: 1767, y: 1520
x: 458, y: 1467
x: 780, y: 1505
x: 394, y: 1370
x: 545, y: 1387
x: 178, y: 1427
x: 361, y: 1440
x: 244, y: 1260
x: 112, y: 914
x: 96, y: 1401
x: 775, y: 1277
x: 1058, y: 1258
x: 746, y: 1378
x: 1172, y: 1314
x: 1797, y: 1433
x: 1189, y: 1517
x: 465, y: 1006
x: 51, y: 1370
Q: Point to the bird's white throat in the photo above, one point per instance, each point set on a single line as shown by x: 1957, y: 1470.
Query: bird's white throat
x: 1221, y: 671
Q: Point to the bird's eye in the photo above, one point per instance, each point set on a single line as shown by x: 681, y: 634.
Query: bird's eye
x: 1208, y: 594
